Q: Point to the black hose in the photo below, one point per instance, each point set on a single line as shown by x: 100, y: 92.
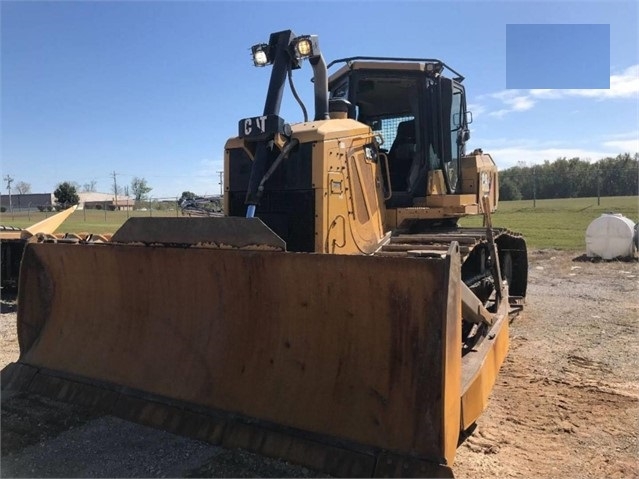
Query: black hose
x: 283, y: 154
x: 297, y: 97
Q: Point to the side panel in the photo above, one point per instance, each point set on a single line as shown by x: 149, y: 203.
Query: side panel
x: 350, y: 204
x: 480, y: 177
x: 350, y: 347
x: 367, y: 203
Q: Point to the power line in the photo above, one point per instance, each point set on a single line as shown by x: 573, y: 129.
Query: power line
x: 9, y: 180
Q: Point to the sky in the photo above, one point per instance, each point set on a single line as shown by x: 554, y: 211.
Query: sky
x: 578, y: 56
x: 153, y: 89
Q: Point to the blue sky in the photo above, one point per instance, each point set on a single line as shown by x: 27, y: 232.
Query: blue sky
x: 558, y: 56
x: 153, y: 89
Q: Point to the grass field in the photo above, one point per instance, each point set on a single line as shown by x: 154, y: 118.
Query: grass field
x: 559, y: 224
x: 84, y: 221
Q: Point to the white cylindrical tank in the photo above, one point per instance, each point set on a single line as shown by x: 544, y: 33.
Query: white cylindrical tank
x: 610, y: 236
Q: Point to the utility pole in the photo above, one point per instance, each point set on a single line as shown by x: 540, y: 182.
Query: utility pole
x: 221, y: 173
x: 534, y: 187
x: 115, y: 190
x: 9, y: 180
x: 598, y: 187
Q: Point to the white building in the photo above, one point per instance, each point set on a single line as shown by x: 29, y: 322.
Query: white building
x: 92, y: 200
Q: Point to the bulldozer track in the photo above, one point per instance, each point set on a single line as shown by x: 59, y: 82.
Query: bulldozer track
x: 475, y: 256
x: 437, y: 241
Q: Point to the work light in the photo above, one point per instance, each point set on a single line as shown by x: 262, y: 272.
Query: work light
x: 260, y: 54
x: 305, y: 46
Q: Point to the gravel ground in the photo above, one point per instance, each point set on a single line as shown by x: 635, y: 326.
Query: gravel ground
x: 46, y: 438
x: 124, y: 450
x: 566, y: 403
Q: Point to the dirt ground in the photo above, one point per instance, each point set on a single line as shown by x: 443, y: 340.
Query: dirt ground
x: 566, y: 403
x: 9, y: 349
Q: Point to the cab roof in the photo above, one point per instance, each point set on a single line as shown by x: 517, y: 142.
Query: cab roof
x: 425, y: 65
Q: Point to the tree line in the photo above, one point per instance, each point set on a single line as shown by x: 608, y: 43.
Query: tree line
x: 66, y: 193
x: 571, y: 178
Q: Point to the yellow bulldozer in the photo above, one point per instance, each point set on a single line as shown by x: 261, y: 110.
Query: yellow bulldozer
x: 337, y: 316
x: 13, y: 241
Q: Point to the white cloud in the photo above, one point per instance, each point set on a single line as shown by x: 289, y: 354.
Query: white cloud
x: 625, y: 142
x: 627, y: 146
x: 517, y: 103
x: 500, y: 113
x: 625, y: 135
x: 477, y: 109
x: 546, y: 94
x: 514, y: 100
x: 511, y: 156
x: 522, y: 103
x: 525, y: 143
x: 507, y: 152
x: 622, y: 85
x: 504, y: 95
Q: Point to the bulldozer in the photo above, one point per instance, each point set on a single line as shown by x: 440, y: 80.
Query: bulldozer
x: 337, y: 316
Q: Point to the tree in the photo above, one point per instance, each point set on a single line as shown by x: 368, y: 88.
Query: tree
x: 66, y: 194
x: 140, y: 188
x: 90, y: 186
x: 508, y: 190
x: 572, y: 178
x: 23, y: 188
x: 187, y: 195
x: 186, y: 199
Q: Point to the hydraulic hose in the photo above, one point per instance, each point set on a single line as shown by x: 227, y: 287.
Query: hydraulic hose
x: 250, y: 210
x: 296, y: 96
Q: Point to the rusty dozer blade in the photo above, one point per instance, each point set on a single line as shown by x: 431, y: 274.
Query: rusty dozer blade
x: 348, y: 364
x: 223, y: 232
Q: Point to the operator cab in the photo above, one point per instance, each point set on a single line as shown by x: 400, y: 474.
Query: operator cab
x: 411, y: 106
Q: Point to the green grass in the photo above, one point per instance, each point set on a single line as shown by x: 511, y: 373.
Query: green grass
x: 559, y: 224
x: 84, y: 221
